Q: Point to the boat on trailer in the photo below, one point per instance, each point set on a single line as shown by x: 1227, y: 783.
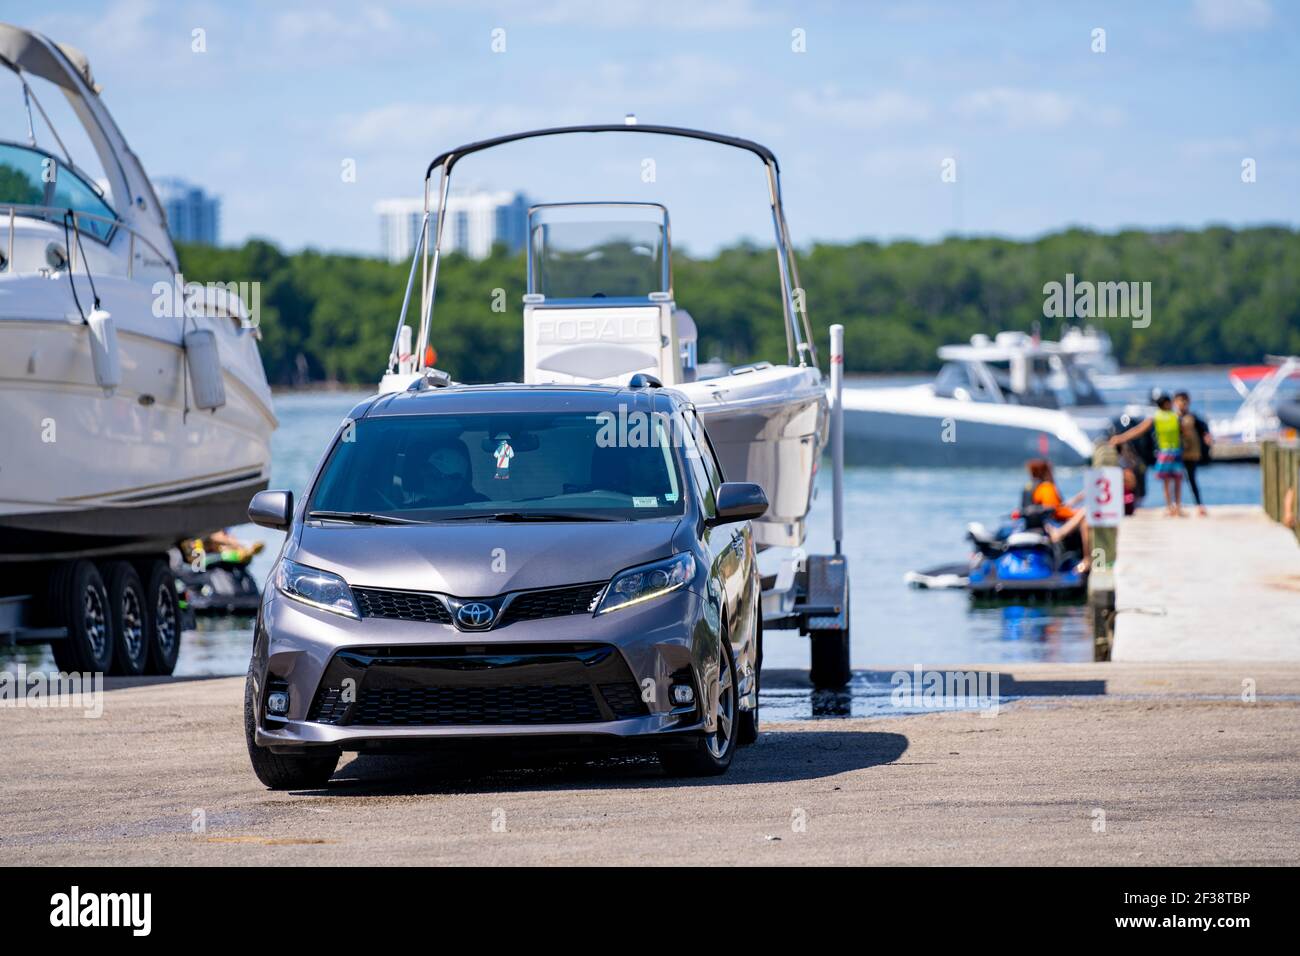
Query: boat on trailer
x: 600, y: 308
x: 137, y: 412
x: 124, y: 429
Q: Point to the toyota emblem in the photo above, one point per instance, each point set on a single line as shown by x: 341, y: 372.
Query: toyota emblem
x: 475, y: 615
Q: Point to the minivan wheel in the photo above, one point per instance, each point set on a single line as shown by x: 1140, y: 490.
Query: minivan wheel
x: 711, y: 754
x: 284, y: 771
x: 129, y: 617
x: 747, y: 720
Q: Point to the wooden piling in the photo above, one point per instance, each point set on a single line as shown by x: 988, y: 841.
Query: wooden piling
x: 1279, y: 468
x: 1101, y: 579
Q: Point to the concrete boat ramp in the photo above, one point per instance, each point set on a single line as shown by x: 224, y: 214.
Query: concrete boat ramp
x: 1183, y: 749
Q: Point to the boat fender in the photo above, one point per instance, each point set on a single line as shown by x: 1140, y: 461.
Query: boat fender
x: 204, y: 362
x: 103, y: 350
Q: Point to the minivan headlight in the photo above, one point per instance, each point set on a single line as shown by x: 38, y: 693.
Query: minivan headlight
x: 321, y: 589
x: 647, y: 581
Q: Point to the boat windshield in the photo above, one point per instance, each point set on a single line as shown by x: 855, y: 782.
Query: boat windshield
x: 32, y: 177
x: 503, y: 466
x: 1072, y: 384
x: 600, y: 251
x: 1050, y: 381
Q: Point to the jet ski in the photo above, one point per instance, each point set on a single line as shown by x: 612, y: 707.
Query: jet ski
x: 1018, y: 560
x: 216, y: 577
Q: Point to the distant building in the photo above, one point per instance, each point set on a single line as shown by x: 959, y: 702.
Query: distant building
x: 192, y: 215
x: 475, y: 221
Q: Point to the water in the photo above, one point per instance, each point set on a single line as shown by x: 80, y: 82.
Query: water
x: 897, y: 520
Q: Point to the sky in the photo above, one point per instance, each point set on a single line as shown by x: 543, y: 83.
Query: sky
x: 1045, y: 122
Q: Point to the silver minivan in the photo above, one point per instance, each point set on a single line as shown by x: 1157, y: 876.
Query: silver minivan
x: 515, y: 565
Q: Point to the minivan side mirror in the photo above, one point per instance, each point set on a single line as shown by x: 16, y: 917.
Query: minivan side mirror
x: 739, y: 501
x: 272, y: 509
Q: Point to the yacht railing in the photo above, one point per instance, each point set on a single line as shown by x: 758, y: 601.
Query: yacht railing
x: 13, y: 210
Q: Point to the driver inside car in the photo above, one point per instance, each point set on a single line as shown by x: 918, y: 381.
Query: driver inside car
x: 442, y: 478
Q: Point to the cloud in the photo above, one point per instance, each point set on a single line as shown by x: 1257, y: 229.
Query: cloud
x: 636, y: 14
x: 1214, y: 148
x: 426, y: 126
x: 1224, y: 15
x: 874, y: 111
x: 322, y: 26
x: 1024, y: 109
x: 678, y: 80
x: 1016, y: 107
x: 898, y: 162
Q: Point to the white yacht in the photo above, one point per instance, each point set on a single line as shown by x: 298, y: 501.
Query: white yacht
x: 1237, y: 437
x: 1093, y: 351
x: 130, y: 420
x: 995, y: 401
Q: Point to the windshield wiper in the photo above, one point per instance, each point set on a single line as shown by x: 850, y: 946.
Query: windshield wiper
x: 367, y: 517
x: 522, y: 516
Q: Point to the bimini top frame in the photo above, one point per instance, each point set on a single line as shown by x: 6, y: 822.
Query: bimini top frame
x: 798, y: 331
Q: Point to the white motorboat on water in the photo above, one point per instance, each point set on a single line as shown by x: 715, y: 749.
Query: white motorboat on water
x: 995, y: 401
x: 1237, y: 437
x: 136, y: 413
x: 1093, y: 352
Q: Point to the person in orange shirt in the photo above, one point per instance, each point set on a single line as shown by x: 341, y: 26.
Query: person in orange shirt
x: 1073, y: 523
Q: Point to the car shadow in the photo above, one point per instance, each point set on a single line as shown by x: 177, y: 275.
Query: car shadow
x: 780, y: 756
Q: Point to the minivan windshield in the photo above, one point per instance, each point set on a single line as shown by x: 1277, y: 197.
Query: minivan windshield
x: 501, y: 466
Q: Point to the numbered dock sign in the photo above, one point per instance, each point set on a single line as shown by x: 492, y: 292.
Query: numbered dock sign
x: 1105, y: 496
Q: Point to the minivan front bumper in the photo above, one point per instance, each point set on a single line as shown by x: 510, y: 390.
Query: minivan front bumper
x: 362, y: 684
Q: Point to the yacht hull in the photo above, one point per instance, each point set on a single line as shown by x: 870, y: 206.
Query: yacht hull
x: 882, y: 430
x: 85, y: 473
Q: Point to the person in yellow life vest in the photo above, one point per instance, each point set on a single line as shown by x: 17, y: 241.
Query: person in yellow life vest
x: 1169, y: 448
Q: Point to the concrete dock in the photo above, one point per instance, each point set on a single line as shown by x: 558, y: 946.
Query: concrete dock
x: 1224, y: 587
x: 1096, y: 764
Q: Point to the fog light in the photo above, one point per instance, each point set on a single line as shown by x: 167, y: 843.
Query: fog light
x: 683, y: 694
x: 277, y: 702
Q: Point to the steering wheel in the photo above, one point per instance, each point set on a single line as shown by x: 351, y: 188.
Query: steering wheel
x: 387, y: 500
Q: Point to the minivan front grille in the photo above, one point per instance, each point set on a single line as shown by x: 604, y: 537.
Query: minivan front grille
x: 551, y: 602
x: 444, y: 686
x: 456, y: 706
x: 431, y: 608
x: 402, y: 605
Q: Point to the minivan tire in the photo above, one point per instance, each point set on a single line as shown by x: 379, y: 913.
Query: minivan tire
x: 699, y: 760
x: 308, y: 771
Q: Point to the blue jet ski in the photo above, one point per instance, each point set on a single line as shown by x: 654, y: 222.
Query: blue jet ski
x: 1018, y: 560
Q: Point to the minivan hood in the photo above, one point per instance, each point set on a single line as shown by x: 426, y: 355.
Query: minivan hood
x: 482, y: 559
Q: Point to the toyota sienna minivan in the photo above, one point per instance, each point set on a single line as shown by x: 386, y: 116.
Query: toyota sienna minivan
x: 531, y: 566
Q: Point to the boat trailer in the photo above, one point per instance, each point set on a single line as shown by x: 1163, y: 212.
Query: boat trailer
x: 810, y: 592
